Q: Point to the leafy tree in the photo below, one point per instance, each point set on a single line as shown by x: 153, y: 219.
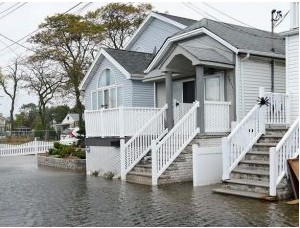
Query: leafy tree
x: 27, y: 116
x: 71, y: 42
x: 12, y: 77
x: 45, y: 82
x: 120, y: 20
x: 57, y: 113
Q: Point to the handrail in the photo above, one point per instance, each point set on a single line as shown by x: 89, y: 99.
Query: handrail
x: 140, y: 143
x: 287, y: 148
x: 166, y: 151
x: 281, y: 94
x: 242, y: 138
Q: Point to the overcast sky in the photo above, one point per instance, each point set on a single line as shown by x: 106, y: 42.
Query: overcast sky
x: 27, y: 17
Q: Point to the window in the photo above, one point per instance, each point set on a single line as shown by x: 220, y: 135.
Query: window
x: 108, y: 94
x: 214, y: 88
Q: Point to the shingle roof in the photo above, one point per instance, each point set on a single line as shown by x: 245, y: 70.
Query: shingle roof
x: 134, y: 62
x: 181, y: 20
x: 241, y: 37
x: 74, y: 116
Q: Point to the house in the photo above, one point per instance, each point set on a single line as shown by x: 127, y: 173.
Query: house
x: 70, y: 121
x: 206, y: 79
x: 255, y: 165
x: 2, y: 124
x: 114, y: 80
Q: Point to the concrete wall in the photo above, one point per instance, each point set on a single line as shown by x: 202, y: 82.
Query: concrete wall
x: 207, y: 165
x: 103, y: 159
x: 70, y: 164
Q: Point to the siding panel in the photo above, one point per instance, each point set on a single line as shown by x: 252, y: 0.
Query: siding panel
x: 154, y: 36
x: 143, y: 94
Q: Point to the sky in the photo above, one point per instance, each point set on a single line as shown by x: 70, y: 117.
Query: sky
x: 26, y: 17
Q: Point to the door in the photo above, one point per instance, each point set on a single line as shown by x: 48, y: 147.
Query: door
x: 188, y: 92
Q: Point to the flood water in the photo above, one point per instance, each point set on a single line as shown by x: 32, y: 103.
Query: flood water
x: 32, y: 196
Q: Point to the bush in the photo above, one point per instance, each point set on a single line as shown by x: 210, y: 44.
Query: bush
x: 65, y: 151
x: 80, y: 154
x: 109, y: 175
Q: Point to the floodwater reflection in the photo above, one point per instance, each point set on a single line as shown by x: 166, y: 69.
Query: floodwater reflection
x: 32, y: 196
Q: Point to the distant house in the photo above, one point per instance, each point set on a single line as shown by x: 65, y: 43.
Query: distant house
x: 70, y: 121
x: 2, y: 124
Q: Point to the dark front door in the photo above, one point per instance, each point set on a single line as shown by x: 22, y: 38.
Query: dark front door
x: 188, y: 92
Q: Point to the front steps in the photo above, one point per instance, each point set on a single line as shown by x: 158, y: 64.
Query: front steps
x: 251, y: 176
x: 181, y: 169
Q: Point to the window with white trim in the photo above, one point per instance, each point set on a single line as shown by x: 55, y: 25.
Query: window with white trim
x: 214, y: 87
x: 108, y: 94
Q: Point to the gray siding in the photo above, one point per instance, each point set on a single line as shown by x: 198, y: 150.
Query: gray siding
x: 255, y: 73
x: 143, y: 94
x: 160, y: 94
x: 292, y: 72
x: 120, y: 80
x: 154, y: 36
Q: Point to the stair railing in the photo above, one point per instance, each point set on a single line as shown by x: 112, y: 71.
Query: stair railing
x: 140, y: 143
x: 166, y: 151
x: 242, y: 138
x: 287, y: 148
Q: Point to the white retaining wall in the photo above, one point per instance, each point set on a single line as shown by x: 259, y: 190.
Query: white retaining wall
x: 207, y: 165
x: 103, y: 159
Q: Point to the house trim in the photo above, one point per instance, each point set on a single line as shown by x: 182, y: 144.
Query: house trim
x: 83, y: 85
x: 146, y: 22
x: 184, y: 36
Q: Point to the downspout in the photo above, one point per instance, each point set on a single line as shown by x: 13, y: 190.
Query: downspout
x: 242, y: 74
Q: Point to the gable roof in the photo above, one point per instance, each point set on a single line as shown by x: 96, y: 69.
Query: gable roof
x: 134, y: 62
x: 237, y: 38
x: 241, y: 37
x: 130, y: 63
x: 74, y: 116
x: 179, y: 22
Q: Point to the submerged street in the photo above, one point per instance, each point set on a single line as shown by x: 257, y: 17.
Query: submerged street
x: 32, y: 196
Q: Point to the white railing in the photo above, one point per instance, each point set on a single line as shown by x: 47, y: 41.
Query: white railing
x: 287, y: 148
x: 115, y: 122
x: 33, y: 147
x: 180, y: 109
x: 140, y: 143
x: 166, y: 151
x: 217, y: 116
x: 242, y: 138
x: 278, y: 109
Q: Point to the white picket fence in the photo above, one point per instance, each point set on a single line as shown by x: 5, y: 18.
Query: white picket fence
x: 33, y: 147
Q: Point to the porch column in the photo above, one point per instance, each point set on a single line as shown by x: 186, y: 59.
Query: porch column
x: 200, y: 98
x: 169, y: 100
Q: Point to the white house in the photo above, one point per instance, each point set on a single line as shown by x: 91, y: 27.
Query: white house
x: 70, y: 121
x: 115, y: 80
x: 205, y: 76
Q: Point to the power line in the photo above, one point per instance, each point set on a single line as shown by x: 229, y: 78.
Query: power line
x: 3, y: 11
x: 278, y: 23
x: 13, y: 10
x: 226, y: 14
x: 29, y: 34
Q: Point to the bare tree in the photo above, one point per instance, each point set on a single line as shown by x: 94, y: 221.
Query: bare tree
x: 45, y: 81
x: 10, y: 83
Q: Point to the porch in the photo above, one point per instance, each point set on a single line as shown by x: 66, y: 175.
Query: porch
x: 126, y: 121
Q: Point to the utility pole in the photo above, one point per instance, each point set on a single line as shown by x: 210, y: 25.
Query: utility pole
x: 275, y: 17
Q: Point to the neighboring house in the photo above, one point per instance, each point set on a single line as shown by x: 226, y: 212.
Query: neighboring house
x: 2, y: 124
x: 70, y: 121
x: 115, y: 80
x: 255, y: 165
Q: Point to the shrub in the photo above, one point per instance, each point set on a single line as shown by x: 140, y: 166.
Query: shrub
x: 80, y: 154
x: 95, y: 173
x: 108, y: 175
x: 67, y: 151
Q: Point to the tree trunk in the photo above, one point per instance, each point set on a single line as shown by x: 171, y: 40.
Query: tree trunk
x: 79, y: 106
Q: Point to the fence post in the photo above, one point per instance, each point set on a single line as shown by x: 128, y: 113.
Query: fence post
x: 288, y: 108
x: 225, y: 158
x: 101, y: 123
x: 195, y: 166
x: 273, y: 171
x: 123, y: 159
x: 154, y: 162
x: 35, y: 146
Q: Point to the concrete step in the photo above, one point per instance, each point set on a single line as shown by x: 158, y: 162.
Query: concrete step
x: 253, y: 195
x: 270, y: 138
x: 135, y: 177
x: 254, y: 164
x: 248, y: 185
x: 248, y: 174
x: 263, y: 146
x: 258, y: 155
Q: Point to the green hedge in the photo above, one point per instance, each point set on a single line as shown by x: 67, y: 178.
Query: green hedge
x: 65, y: 151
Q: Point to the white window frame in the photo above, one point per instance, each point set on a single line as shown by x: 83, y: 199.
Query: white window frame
x: 222, y: 84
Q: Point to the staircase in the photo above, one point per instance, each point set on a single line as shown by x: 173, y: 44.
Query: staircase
x: 250, y: 178
x: 179, y: 171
